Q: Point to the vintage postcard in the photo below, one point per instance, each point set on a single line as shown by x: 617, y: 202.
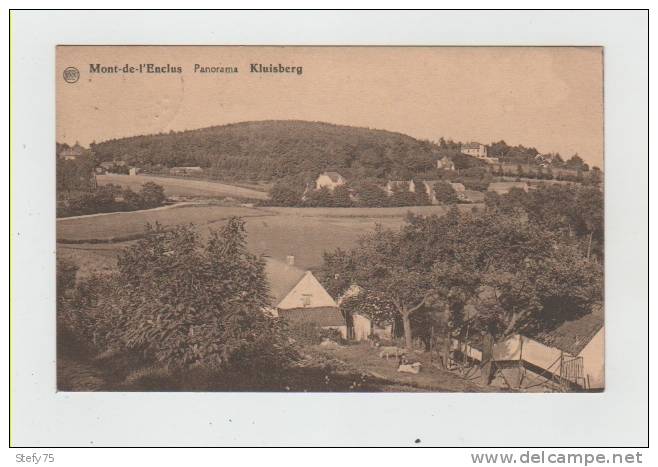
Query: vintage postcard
x: 344, y: 219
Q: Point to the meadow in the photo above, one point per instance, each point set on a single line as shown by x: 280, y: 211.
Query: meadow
x: 305, y: 233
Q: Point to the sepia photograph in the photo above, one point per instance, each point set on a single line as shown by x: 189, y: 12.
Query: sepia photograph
x: 330, y: 219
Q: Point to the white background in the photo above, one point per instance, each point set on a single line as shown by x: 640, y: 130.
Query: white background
x: 42, y: 417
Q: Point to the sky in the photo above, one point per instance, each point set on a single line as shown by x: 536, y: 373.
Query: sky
x: 550, y: 98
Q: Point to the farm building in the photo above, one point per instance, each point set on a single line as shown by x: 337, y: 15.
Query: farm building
x: 298, y: 297
x: 504, y: 187
x: 329, y: 180
x: 571, y: 355
x: 134, y: 171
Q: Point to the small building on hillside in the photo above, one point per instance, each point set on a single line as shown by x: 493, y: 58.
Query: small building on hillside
x: 445, y: 163
x: 400, y: 185
x: 71, y: 153
x: 298, y: 297
x: 504, y: 187
x: 475, y: 149
x: 134, y: 171
x: 329, y: 180
x: 186, y: 171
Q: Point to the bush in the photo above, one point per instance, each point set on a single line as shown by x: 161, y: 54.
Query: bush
x: 113, y: 198
x: 178, y: 303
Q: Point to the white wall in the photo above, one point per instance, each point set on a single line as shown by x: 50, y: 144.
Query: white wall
x: 362, y: 327
x: 307, y: 285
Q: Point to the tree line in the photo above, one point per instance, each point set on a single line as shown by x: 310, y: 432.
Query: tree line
x: 360, y: 193
x: 112, y: 198
x: 529, y: 262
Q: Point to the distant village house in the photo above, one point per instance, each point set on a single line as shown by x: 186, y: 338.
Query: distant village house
x: 71, y: 153
x: 329, y: 180
x: 479, y: 151
x: 400, y: 185
x: 475, y: 149
x: 445, y: 163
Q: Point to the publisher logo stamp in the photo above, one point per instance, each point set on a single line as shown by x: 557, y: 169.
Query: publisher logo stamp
x: 71, y: 75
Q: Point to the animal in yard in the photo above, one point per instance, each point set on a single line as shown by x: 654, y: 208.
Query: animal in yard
x: 413, y: 368
x: 390, y: 351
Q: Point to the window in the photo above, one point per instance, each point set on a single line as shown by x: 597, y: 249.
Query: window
x: 306, y: 299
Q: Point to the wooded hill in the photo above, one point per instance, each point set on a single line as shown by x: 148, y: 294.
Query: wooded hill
x: 268, y: 150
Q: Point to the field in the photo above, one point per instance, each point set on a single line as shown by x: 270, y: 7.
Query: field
x: 122, y: 225
x: 183, y: 187
x: 93, y: 242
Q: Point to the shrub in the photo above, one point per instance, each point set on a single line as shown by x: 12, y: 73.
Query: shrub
x: 179, y: 303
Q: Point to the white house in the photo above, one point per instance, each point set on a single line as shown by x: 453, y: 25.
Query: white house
x: 475, y: 149
x: 445, y: 163
x: 402, y: 185
x: 329, y: 180
x: 299, y: 297
x: 72, y: 153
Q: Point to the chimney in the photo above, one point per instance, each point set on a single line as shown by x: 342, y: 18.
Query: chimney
x: 290, y: 260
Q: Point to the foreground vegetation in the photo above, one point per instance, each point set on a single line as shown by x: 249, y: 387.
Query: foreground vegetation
x: 528, y: 263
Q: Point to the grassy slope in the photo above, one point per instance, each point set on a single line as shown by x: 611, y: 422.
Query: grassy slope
x: 276, y: 232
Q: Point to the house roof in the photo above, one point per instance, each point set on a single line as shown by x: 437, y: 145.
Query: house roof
x: 322, y: 316
x: 472, y: 145
x: 282, y: 278
x: 334, y: 176
x: 573, y: 336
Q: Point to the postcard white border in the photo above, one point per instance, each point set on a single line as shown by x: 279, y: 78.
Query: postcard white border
x: 42, y: 417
